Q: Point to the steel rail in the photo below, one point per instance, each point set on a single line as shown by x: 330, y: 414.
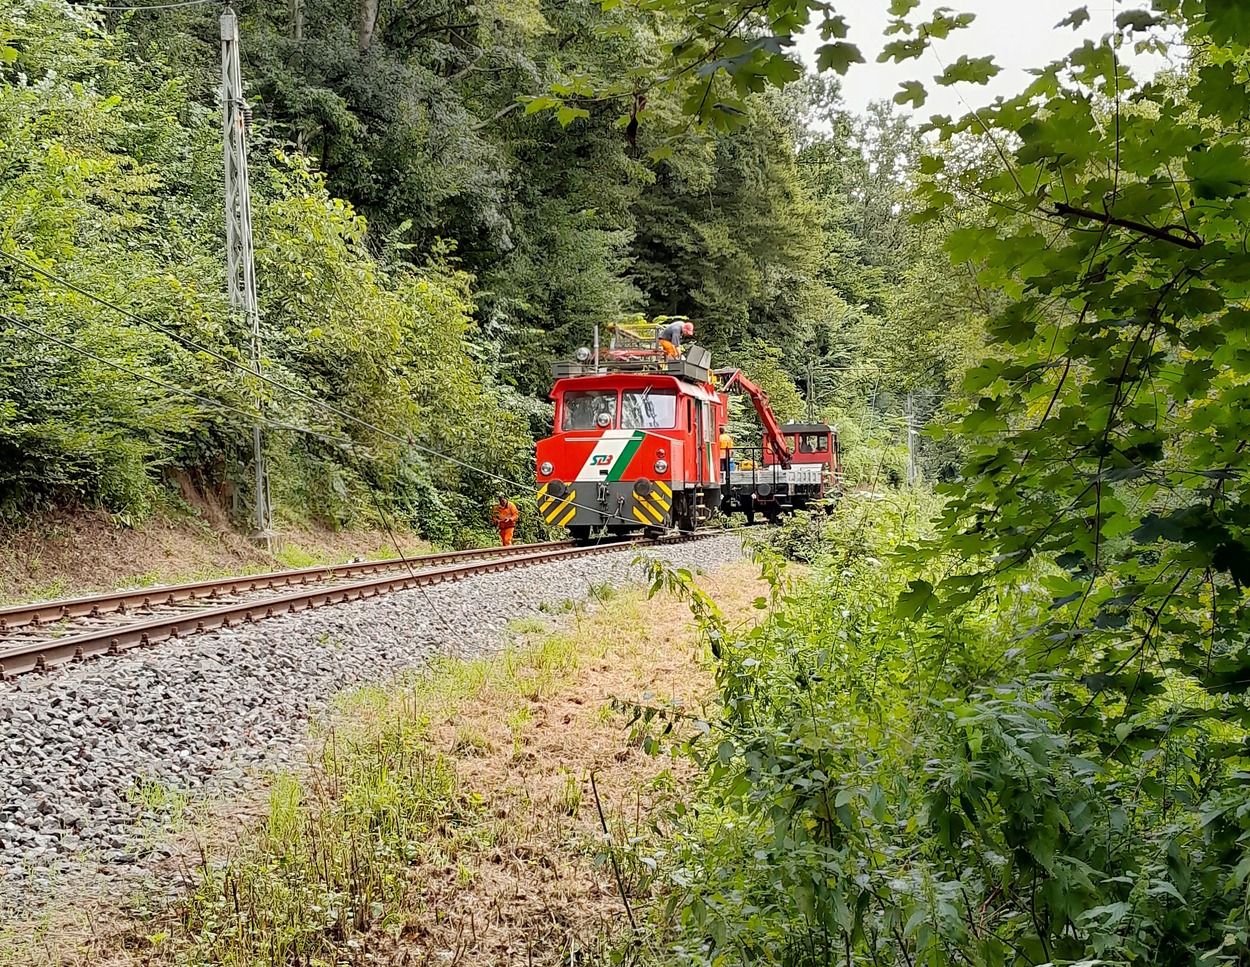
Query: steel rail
x: 40, y: 613
x: 48, y: 653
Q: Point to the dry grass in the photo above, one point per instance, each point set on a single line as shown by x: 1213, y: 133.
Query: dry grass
x: 78, y: 553
x: 449, y: 820
x: 526, y: 887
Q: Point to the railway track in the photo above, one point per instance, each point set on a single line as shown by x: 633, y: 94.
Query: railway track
x: 42, y: 635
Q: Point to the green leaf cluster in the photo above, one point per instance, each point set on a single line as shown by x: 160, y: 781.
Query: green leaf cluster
x: 885, y: 781
x: 109, y: 180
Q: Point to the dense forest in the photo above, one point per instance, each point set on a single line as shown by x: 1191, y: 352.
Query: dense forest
x: 1003, y: 721
x: 427, y: 241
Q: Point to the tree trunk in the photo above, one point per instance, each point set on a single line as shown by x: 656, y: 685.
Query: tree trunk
x: 367, y: 19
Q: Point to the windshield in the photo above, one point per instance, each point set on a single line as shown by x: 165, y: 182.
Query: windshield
x: 582, y: 409
x: 813, y: 443
x: 649, y: 409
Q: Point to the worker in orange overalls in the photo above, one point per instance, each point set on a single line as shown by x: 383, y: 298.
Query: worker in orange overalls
x: 670, y: 336
x: 505, y: 516
x: 726, y: 450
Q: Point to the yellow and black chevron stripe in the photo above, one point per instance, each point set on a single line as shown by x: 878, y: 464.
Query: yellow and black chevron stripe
x: 556, y: 510
x: 655, y: 504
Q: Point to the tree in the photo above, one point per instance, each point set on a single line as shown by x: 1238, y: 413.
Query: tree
x: 724, y: 236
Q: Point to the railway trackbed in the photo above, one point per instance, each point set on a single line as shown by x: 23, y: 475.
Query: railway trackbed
x: 43, y: 635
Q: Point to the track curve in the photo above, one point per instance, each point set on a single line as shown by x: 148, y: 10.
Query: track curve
x: 40, y: 636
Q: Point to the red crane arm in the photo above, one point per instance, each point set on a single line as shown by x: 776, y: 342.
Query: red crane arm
x: 733, y: 379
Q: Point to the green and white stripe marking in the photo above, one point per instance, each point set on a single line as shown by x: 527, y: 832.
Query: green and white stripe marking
x: 618, y: 447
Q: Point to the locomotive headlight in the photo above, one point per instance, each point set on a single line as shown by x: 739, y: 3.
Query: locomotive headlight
x: 604, y: 420
x: 546, y: 468
x: 582, y: 354
x: 661, y: 466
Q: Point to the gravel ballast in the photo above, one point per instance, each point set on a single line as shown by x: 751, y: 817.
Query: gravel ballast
x: 202, y: 716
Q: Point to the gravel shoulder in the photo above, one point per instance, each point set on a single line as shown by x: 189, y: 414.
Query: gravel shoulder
x: 99, y: 761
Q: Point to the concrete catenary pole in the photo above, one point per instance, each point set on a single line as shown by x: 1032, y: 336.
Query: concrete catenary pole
x: 240, y: 255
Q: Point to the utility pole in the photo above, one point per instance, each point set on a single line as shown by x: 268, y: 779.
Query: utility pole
x: 911, y: 443
x: 240, y: 254
x: 811, y: 396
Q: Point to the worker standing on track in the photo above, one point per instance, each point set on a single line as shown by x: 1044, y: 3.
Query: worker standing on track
x: 505, y: 516
x: 726, y: 451
x: 670, y: 336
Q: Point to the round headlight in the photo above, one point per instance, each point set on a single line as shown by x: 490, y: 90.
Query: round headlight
x: 582, y: 355
x: 604, y: 420
x: 661, y: 466
x: 546, y: 468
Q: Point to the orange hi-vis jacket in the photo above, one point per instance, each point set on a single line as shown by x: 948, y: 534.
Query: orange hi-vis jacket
x: 505, y: 516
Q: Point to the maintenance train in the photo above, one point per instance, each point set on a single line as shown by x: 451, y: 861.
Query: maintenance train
x: 636, y: 447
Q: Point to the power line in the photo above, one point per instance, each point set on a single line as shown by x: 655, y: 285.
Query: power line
x: 277, y: 384
x: 172, y: 387
x: 268, y: 380
x: 155, y: 6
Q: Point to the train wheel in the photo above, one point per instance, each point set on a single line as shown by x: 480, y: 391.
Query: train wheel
x: 683, y: 512
x: 747, y: 506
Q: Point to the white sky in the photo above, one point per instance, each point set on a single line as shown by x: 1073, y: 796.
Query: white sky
x: 1019, y: 33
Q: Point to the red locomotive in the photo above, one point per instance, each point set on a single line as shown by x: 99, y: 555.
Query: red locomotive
x: 636, y: 445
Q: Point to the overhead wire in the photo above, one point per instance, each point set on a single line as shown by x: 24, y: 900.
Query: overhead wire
x: 453, y: 634
x: 154, y: 6
x: 267, y: 380
x: 174, y: 388
x: 246, y: 369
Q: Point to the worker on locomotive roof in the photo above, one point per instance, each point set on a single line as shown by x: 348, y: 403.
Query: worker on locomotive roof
x: 726, y: 450
x: 505, y: 516
x: 670, y: 336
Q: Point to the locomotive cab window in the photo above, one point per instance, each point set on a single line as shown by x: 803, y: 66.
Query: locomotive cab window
x: 588, y: 409
x: 813, y: 443
x: 649, y: 409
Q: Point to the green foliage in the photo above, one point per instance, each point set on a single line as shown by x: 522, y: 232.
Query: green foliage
x: 725, y: 236
x: 1031, y: 750
x: 892, y: 328
x: 108, y: 182
x: 1109, y: 436
x: 887, y: 782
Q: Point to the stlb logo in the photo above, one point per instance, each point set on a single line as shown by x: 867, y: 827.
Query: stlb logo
x: 601, y: 459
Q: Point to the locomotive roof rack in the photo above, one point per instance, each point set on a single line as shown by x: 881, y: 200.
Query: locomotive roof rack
x: 693, y: 367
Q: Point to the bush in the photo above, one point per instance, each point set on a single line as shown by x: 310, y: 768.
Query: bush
x: 103, y: 182
x: 886, y: 785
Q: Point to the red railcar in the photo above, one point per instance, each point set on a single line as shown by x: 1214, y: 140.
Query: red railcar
x: 635, y: 443
x: 632, y: 449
